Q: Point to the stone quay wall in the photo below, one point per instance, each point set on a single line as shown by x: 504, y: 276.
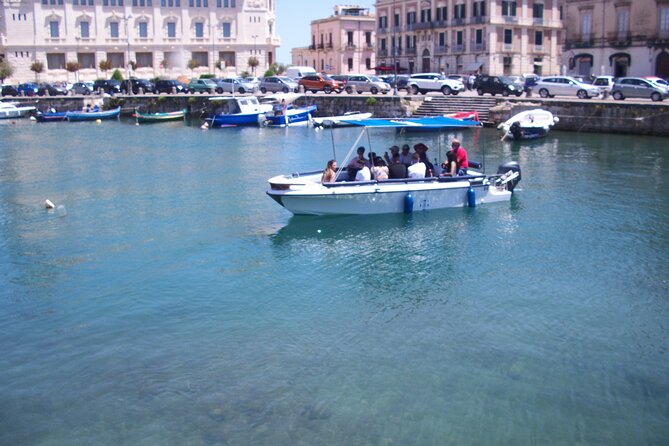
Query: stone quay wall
x: 600, y: 116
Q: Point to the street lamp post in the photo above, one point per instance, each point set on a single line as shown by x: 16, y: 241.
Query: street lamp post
x: 127, y: 41
x: 393, y: 48
x: 255, y: 36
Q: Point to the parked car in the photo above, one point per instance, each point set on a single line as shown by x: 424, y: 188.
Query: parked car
x: 202, y: 86
x: 363, y: 82
x: 276, y: 84
x: 605, y: 84
x: 9, y: 90
x: 109, y: 86
x: 503, y: 85
x: 341, y: 78
x: 170, y: 86
x: 636, y: 87
x: 566, y: 86
x: 253, y: 81
x: 426, y: 82
x: 47, y: 89
x: 136, y: 84
x: 401, y: 81
x: 82, y: 88
x: 658, y: 81
x: 232, y: 85
x: 28, y: 89
x: 320, y: 82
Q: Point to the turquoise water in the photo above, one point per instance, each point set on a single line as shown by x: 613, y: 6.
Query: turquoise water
x: 176, y: 304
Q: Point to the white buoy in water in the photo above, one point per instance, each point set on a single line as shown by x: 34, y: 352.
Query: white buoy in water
x: 205, y: 126
x: 61, y: 211
x: 49, y: 204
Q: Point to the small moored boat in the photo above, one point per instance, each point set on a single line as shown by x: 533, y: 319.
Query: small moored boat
x: 238, y: 110
x: 146, y: 118
x: 10, y: 110
x: 341, y: 120
x: 51, y: 116
x: 530, y: 124
x: 303, y: 193
x: 93, y: 115
x: 290, y: 116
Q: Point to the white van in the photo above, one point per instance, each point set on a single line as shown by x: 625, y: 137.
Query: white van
x: 298, y: 72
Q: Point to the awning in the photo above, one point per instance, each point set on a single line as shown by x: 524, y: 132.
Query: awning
x: 623, y: 57
x: 472, y: 67
x: 383, y: 68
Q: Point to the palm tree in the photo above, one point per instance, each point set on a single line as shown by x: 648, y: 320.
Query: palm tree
x: 37, y: 67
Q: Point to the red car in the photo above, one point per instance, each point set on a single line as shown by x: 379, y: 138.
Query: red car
x: 320, y: 82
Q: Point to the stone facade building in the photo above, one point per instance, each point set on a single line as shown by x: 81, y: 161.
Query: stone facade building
x: 342, y: 43
x: 142, y: 38
x: 470, y: 36
x: 618, y: 38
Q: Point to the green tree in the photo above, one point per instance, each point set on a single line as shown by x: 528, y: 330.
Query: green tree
x: 105, y: 65
x: 116, y: 75
x: 269, y: 72
x: 73, y: 67
x: 37, y: 67
x: 253, y: 62
x: 6, y: 70
x: 278, y: 68
x: 193, y: 64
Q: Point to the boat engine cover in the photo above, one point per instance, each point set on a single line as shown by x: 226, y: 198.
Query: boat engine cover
x: 513, y: 166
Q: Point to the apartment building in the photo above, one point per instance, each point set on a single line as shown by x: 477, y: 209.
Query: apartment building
x: 342, y: 43
x: 497, y: 37
x: 618, y: 38
x: 143, y: 38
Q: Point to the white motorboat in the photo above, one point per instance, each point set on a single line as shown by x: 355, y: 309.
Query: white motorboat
x: 303, y: 193
x: 10, y: 110
x: 530, y: 124
x: 341, y: 120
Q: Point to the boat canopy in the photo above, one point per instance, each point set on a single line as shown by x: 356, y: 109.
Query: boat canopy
x: 435, y: 122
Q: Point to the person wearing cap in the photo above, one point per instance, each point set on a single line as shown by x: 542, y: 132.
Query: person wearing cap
x: 417, y: 168
x: 405, y: 156
x: 394, y: 151
x: 460, y: 156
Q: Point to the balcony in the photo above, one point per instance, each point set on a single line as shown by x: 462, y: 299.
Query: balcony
x: 423, y: 25
x: 584, y: 41
x: 369, y: 46
x: 329, y: 46
x: 350, y: 46
x: 536, y: 21
x: 382, y: 31
x: 507, y: 47
x: 478, y: 47
x: 538, y: 49
x: 440, y: 49
x: 440, y: 24
x: 411, y: 26
x: 619, y: 39
x: 312, y: 47
x: 510, y: 19
x: 478, y: 19
x: 458, y: 48
x: 383, y: 52
x: 411, y: 51
x: 321, y: 46
x: 457, y: 22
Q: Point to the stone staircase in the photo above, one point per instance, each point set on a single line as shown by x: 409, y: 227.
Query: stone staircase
x: 440, y: 105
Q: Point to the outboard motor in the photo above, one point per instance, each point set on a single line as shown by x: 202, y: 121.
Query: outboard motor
x: 506, y: 178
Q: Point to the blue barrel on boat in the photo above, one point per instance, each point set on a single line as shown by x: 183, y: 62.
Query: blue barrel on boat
x: 408, y: 203
x: 471, y: 197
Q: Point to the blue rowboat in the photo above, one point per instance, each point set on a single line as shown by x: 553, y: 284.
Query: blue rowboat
x: 51, y: 116
x: 291, y: 117
x: 93, y: 115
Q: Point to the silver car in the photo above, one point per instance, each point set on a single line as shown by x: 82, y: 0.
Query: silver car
x: 636, y: 87
x: 363, y: 83
x: 276, y: 84
x: 565, y: 86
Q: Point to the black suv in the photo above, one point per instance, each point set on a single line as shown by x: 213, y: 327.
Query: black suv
x: 46, y: 89
x: 168, y: 86
x: 109, y: 86
x: 497, y: 84
x: 136, y: 85
x: 9, y: 90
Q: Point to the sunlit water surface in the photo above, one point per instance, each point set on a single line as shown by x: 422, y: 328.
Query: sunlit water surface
x: 176, y: 304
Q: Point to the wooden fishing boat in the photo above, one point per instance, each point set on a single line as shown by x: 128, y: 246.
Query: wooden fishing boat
x: 146, y: 118
x: 93, y: 115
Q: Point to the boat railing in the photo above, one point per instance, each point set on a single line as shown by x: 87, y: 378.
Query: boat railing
x: 470, y: 178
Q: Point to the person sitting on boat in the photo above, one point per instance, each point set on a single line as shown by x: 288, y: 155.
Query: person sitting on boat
x: 460, y: 157
x: 280, y: 109
x: 380, y: 169
x: 394, y: 150
x: 450, y: 166
x: 357, y: 163
x: 330, y: 172
x: 417, y: 168
x: 364, y: 174
x: 396, y: 169
x: 95, y: 108
x: 405, y: 156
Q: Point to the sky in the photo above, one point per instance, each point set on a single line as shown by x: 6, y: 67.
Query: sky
x: 294, y: 17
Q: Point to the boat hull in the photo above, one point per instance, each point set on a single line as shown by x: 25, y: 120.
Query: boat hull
x: 51, y: 117
x: 17, y: 112
x: 148, y: 118
x: 386, y: 198
x: 225, y: 120
x: 94, y: 116
x: 297, y: 116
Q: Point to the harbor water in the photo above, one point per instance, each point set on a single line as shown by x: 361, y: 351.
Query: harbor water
x: 169, y: 301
